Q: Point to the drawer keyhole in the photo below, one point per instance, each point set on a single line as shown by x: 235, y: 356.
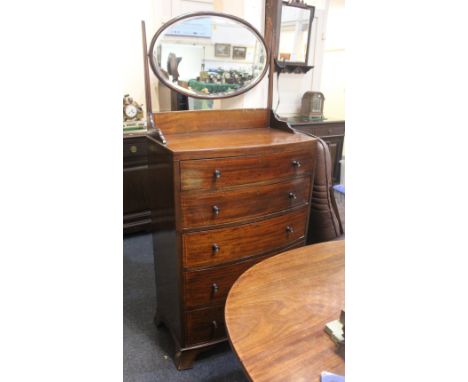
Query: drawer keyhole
x: 215, y: 248
x: 289, y: 229
x: 216, y: 210
x: 296, y: 163
x: 217, y: 173
x: 292, y: 196
x: 215, y: 288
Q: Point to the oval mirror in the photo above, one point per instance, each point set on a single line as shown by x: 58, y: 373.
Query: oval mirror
x: 208, y: 55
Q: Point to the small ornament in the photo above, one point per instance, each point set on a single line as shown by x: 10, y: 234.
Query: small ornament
x: 312, y: 105
x: 132, y: 111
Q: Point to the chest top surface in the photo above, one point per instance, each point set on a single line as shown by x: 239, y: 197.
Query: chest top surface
x: 232, y: 142
x: 210, y: 134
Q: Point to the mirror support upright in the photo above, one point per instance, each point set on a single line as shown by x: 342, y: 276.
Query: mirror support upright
x: 152, y: 130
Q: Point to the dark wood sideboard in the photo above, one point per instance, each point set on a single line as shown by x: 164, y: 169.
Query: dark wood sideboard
x: 332, y: 131
x: 136, y: 210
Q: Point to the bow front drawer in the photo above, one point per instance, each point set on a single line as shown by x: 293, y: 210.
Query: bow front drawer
x: 205, y: 209
x: 213, y: 247
x: 214, y: 174
x: 211, y: 286
x: 205, y: 325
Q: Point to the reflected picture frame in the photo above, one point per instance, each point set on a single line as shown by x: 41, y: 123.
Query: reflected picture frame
x: 239, y: 52
x: 222, y: 50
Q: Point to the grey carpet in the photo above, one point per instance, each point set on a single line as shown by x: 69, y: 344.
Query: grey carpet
x: 148, y: 351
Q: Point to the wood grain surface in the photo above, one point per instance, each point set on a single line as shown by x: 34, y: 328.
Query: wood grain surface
x: 216, y: 174
x: 217, y: 246
x: 199, y: 209
x: 226, y: 143
x: 211, y: 286
x: 276, y: 313
x: 205, y: 325
x: 197, y: 121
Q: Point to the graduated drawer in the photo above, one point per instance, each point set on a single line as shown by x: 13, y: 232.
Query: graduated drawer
x: 211, y: 286
x: 204, y: 325
x: 213, y: 247
x: 213, y: 174
x: 212, y: 208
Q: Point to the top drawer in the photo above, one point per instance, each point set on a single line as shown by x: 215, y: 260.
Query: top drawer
x: 214, y: 174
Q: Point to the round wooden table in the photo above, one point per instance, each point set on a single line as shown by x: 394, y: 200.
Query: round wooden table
x: 277, y: 310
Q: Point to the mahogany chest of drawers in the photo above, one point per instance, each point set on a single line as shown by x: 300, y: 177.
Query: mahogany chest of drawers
x: 238, y: 191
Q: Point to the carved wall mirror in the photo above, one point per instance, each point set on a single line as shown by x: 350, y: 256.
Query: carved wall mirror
x: 208, y: 55
x: 294, y: 33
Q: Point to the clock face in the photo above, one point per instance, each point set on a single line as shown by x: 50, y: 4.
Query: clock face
x: 131, y: 111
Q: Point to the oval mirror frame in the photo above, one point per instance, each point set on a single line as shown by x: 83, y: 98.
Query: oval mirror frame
x: 156, y: 68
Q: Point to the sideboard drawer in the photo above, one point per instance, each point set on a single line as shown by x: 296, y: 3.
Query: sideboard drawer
x: 214, y: 247
x: 214, y: 174
x: 211, y: 286
x: 135, y: 151
x: 324, y: 130
x: 211, y: 208
x: 205, y: 325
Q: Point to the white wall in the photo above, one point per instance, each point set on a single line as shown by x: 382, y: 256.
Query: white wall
x: 293, y: 86
x: 333, y: 73
x: 154, y: 13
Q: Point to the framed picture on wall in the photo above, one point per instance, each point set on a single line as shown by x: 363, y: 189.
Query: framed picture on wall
x: 222, y: 50
x: 239, y: 52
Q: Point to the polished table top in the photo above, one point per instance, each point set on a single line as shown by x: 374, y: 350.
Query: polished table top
x: 277, y: 310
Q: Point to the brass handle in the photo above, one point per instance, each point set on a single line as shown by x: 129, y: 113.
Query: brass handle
x: 215, y: 288
x: 216, y: 210
x: 215, y: 248
x: 292, y: 196
x: 133, y: 149
x: 217, y: 173
x: 296, y: 163
x: 289, y: 229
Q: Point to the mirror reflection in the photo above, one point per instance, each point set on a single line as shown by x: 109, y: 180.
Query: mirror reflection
x: 209, y: 56
x: 294, y: 33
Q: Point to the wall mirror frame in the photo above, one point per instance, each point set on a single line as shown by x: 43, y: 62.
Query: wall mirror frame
x: 240, y: 70
x: 294, y: 34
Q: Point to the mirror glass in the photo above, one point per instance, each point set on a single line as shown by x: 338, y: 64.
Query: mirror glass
x: 208, y: 55
x: 294, y: 33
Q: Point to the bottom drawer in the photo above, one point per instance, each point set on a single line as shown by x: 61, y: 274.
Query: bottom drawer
x: 204, y: 325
